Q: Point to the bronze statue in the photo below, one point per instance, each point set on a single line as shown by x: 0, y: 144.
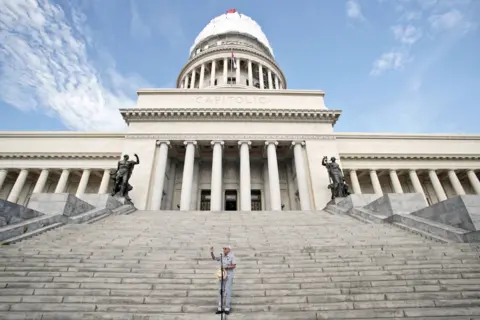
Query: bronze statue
x: 122, y: 175
x: 337, y: 182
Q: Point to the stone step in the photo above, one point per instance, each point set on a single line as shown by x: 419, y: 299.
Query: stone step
x: 32, y: 233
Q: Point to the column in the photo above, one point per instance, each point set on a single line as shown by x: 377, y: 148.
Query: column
x: 277, y: 85
x: 103, y: 189
x: 417, y: 186
x: 187, y: 81
x: 202, y: 76
x: 266, y: 187
x: 62, y: 182
x: 192, y: 80
x: 437, y: 186
x: 3, y: 176
x: 273, y: 177
x: 82, y: 185
x: 377, y: 188
x: 225, y: 70
x: 212, y: 73
x: 245, y: 186
x: 397, y: 187
x: 301, y: 175
x: 18, y: 186
x: 237, y: 75
x: 216, y: 184
x: 354, y: 181
x: 474, y: 181
x: 270, y: 81
x: 195, y: 184
x: 260, y: 76
x: 250, y: 74
x: 159, y: 175
x: 457, y: 186
x: 171, y: 184
x: 187, y: 179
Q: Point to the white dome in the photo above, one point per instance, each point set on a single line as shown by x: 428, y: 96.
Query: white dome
x: 232, y: 22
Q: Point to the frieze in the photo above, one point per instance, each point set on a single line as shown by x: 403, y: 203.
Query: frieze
x: 177, y: 137
x: 409, y: 157
x: 59, y: 156
x: 218, y: 100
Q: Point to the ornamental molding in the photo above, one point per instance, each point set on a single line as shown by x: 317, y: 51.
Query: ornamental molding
x: 68, y: 156
x: 409, y: 157
x: 230, y: 114
x: 231, y: 137
x: 404, y: 136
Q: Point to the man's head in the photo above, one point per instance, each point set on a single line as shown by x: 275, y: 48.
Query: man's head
x: 125, y: 157
x: 333, y: 159
x: 226, y: 250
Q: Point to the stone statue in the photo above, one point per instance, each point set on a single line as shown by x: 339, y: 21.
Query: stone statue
x: 337, y: 183
x: 121, y: 177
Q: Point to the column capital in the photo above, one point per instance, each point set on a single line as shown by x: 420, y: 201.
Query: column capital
x: 213, y: 142
x: 271, y: 142
x: 86, y: 169
x: 247, y: 142
x: 190, y: 142
x: 160, y: 142
x: 294, y: 143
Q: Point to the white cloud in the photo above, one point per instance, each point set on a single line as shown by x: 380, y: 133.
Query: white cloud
x: 407, y: 34
x: 392, y: 60
x: 451, y: 20
x: 137, y: 27
x: 354, y: 11
x: 44, y: 65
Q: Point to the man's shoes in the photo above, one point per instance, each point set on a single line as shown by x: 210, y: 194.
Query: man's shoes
x: 219, y: 311
x: 227, y: 311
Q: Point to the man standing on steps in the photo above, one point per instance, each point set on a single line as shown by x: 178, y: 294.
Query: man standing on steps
x: 229, y: 264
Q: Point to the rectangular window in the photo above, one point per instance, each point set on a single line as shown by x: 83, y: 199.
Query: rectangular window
x: 231, y: 80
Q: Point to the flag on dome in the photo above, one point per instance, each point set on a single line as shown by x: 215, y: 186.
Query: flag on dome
x: 232, y: 10
x: 234, y: 61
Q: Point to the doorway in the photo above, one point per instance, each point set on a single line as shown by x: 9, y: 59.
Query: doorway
x: 230, y: 200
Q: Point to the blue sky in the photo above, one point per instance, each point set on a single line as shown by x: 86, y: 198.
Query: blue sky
x: 406, y: 66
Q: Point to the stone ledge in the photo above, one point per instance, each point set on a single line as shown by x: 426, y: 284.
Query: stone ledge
x: 12, y: 213
x: 58, y: 203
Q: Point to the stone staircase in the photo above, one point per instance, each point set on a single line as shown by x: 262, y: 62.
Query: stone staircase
x: 291, y: 265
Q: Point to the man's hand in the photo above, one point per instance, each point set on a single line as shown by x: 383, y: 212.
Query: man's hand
x: 211, y: 249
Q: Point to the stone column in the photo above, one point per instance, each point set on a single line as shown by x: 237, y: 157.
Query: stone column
x: 250, y: 74
x: 187, y: 179
x: 302, y: 182
x: 192, y: 80
x: 277, y: 84
x: 377, y: 188
x: 202, y: 76
x: 437, y: 186
x: 273, y: 177
x: 245, y: 185
x: 62, y: 182
x: 397, y: 187
x: 417, y: 186
x: 187, y: 80
x: 42, y: 180
x: 237, y: 74
x: 3, y: 176
x: 225, y: 70
x: 212, y: 73
x: 270, y: 81
x: 195, y: 184
x: 474, y: 181
x: 216, y: 184
x: 171, y: 184
x: 260, y: 76
x: 82, y: 185
x: 457, y: 186
x: 355, y: 183
x: 18, y: 186
x: 266, y: 187
x: 159, y: 175
x: 103, y: 189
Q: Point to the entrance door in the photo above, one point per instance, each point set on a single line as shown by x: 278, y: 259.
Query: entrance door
x: 205, y: 200
x: 256, y: 198
x: 230, y: 200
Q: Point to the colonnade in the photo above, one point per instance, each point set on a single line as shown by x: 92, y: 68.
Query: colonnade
x: 61, y: 186
x: 216, y: 180
x: 272, y: 80
x: 417, y: 186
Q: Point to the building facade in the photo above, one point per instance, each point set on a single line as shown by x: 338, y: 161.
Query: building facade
x: 231, y: 136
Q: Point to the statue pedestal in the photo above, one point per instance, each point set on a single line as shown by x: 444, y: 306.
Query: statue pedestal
x: 336, y: 200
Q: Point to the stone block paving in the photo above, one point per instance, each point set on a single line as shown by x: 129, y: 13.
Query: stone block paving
x: 291, y: 265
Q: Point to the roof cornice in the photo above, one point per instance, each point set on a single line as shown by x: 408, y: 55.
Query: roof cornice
x: 61, y: 134
x: 216, y: 91
x: 410, y: 156
x: 16, y: 155
x: 229, y: 114
x: 406, y: 136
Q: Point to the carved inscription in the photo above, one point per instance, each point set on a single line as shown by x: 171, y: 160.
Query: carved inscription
x: 212, y: 100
